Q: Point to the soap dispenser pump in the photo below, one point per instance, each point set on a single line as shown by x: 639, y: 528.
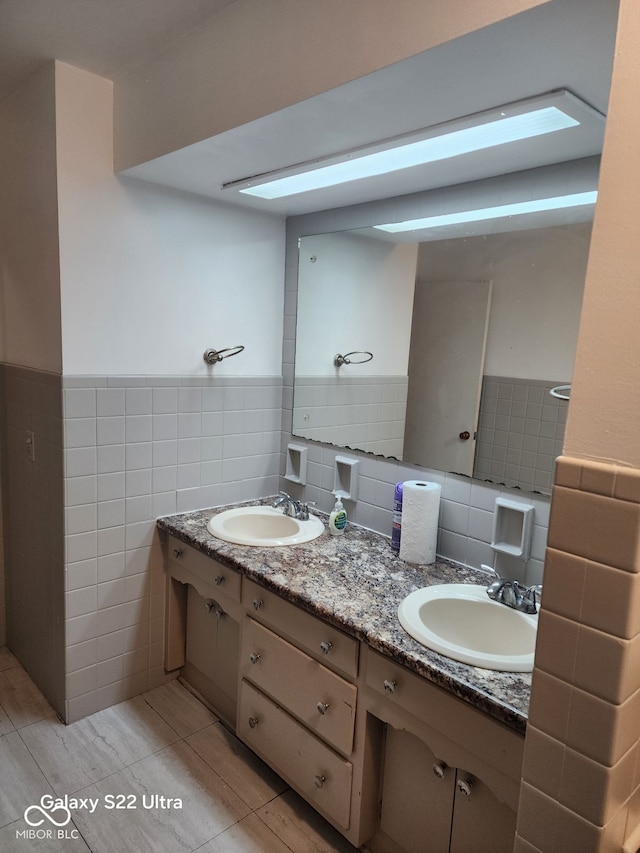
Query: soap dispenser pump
x: 337, y: 519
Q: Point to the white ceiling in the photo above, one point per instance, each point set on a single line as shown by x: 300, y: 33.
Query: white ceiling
x: 560, y: 44
x: 564, y: 44
x: 105, y: 37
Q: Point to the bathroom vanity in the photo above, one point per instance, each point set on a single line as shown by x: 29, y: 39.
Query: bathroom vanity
x: 299, y: 651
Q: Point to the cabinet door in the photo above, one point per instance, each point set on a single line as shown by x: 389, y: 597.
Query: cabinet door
x: 481, y: 823
x: 416, y: 803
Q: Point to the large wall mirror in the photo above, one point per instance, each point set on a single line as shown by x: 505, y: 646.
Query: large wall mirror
x: 468, y: 335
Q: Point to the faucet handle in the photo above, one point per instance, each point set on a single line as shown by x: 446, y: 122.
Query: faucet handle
x: 533, y: 595
x: 303, y: 514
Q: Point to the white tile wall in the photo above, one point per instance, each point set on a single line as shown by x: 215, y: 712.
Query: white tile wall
x: 137, y: 448
x: 367, y: 413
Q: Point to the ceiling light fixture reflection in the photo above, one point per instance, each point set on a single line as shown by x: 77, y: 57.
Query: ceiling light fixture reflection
x: 515, y: 209
x: 538, y: 116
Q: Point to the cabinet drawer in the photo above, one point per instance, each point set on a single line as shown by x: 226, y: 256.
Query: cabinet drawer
x: 323, y: 642
x: 227, y: 581
x: 498, y: 746
x: 322, y: 700
x: 321, y: 776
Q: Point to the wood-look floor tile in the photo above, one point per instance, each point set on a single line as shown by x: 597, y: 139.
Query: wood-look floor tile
x: 7, y: 660
x: 21, y: 780
x: 179, y: 708
x: 251, y: 835
x: 209, y: 806
x: 240, y: 768
x: 21, y: 700
x: 74, y: 756
x: 10, y: 843
x: 5, y: 723
x: 300, y: 827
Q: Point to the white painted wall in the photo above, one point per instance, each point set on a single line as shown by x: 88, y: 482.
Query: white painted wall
x: 259, y: 56
x: 29, y: 282
x: 538, y: 281
x: 151, y: 277
x: 354, y: 293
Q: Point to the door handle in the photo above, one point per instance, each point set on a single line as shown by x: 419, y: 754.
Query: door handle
x: 465, y: 436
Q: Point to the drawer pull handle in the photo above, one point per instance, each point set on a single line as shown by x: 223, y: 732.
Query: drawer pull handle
x: 320, y: 780
x: 258, y: 603
x: 464, y: 786
x: 325, y: 647
x: 219, y: 580
x: 390, y: 686
x: 439, y: 770
x: 322, y: 707
x: 213, y: 607
x: 253, y: 722
x: 177, y: 553
x: 254, y: 657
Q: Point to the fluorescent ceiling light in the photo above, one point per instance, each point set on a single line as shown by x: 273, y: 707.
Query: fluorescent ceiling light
x: 403, y: 155
x: 497, y: 212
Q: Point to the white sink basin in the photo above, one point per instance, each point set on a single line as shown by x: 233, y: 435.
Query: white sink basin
x: 463, y: 623
x: 263, y: 526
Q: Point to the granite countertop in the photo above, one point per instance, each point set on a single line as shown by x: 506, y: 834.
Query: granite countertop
x: 356, y: 582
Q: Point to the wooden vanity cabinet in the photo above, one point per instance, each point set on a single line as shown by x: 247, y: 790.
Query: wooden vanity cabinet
x: 394, y: 762
x: 298, y: 700
x: 202, y: 625
x: 449, y: 773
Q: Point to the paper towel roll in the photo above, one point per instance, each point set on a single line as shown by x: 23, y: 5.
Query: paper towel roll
x: 420, y: 509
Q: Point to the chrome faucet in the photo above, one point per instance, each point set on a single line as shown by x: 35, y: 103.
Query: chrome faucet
x: 511, y: 594
x: 292, y: 507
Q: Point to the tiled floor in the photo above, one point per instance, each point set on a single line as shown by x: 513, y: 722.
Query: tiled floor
x: 162, y: 743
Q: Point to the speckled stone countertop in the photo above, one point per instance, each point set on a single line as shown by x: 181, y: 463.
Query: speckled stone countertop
x: 356, y: 583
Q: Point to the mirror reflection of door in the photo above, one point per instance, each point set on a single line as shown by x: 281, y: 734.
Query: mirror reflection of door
x: 446, y: 360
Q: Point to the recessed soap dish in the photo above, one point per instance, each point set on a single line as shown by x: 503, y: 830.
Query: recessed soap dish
x: 345, y: 478
x: 296, y: 471
x: 512, y: 528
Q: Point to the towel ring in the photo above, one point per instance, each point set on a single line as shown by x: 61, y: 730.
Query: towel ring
x: 339, y: 360
x: 561, y: 392
x: 213, y: 356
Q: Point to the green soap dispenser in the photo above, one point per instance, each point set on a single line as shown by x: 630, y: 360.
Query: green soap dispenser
x: 337, y: 519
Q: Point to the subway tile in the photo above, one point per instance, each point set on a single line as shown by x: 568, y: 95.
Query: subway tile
x: 138, y: 401
x: 594, y: 791
x: 79, y: 403
x: 603, y: 529
x: 543, y: 762
x: 537, y: 818
x: 163, y: 503
x: 138, y: 509
x: 164, y: 427
x: 109, y: 646
x: 568, y: 472
x: 110, y: 402
x: 600, y: 730
x: 109, y: 670
x: 189, y: 400
x: 81, y: 655
x: 81, y: 574
x: 111, y: 486
x: 80, y: 461
x: 611, y: 600
x: 111, y: 566
x: 556, y: 646
x: 597, y: 477
x: 607, y: 666
x: 80, y: 519
x: 164, y: 478
x: 111, y: 458
x: 165, y: 401
x: 80, y: 432
x: 139, y: 534
x: 627, y: 485
x: 575, y: 833
x: 81, y: 681
x: 110, y: 594
x: 110, y: 431
x: 164, y: 453
x: 80, y: 546
x: 138, y: 428
x: 111, y: 540
x: 80, y: 602
x: 111, y: 514
x: 550, y: 704
x: 138, y: 456
x: 80, y: 490
x: 138, y: 482
x: 188, y: 450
